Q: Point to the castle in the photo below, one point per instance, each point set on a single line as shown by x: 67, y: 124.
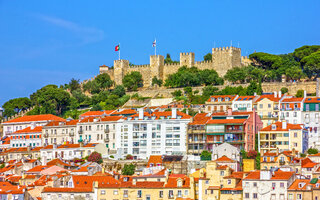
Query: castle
x: 223, y: 59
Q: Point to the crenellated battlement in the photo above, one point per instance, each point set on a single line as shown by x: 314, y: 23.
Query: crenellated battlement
x: 226, y: 48
x: 139, y: 66
x: 223, y: 59
x: 203, y: 62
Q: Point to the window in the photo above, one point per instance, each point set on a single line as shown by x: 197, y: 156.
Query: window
x: 179, y: 193
x: 290, y: 196
x: 139, y: 195
x: 115, y: 192
x: 299, y: 196
x: 254, y: 184
x: 186, y: 192
x: 255, y: 195
x: 160, y: 194
x: 125, y: 193
x: 222, y: 173
x: 295, y: 134
x: 170, y: 193
x: 103, y: 192
x: 273, y: 186
x: 229, y: 181
x: 282, y: 185
x: 246, y: 195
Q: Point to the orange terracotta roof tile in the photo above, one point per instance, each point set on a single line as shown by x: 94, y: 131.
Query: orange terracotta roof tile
x: 125, y: 112
x: 292, y: 99
x: 312, y: 100
x: 38, y: 168
x: 111, y: 118
x: 224, y: 159
x: 57, y: 162
x: 222, y: 167
x: 280, y: 128
x: 296, y: 185
x: 270, y: 97
x: 35, y: 118
x: 223, y: 97
x: 37, y: 129
x: 245, y: 98
x: 154, y: 159
x: 226, y: 121
x: 172, y: 182
x: 200, y: 119
x: 92, y: 113
x: 67, y: 190
x: 66, y: 123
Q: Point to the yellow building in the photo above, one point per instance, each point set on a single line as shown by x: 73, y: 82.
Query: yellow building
x: 155, y: 186
x: 267, y: 107
x: 248, y: 165
x: 283, y: 136
x: 218, y: 182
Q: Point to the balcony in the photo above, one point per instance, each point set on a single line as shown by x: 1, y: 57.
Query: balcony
x: 106, y: 130
x: 71, y: 134
x: 106, y: 140
x: 196, y: 131
x: 80, y: 131
x: 46, y: 135
x: 234, y: 131
x: 270, y: 117
x: 234, y: 141
x: 242, y: 108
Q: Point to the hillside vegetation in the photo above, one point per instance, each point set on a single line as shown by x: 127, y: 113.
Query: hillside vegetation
x: 73, y: 98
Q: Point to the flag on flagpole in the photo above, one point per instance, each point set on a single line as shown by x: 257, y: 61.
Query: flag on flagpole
x: 117, y: 48
x: 154, y: 43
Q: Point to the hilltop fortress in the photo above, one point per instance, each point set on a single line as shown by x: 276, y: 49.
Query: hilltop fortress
x: 223, y: 59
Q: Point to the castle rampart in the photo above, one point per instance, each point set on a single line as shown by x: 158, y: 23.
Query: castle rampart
x: 223, y: 59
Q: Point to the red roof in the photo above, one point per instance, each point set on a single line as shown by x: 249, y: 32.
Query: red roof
x: 245, y: 98
x: 92, y: 113
x: 224, y: 159
x: 154, y: 159
x: 111, y: 118
x: 223, y: 97
x: 279, y: 127
x: 66, y: 123
x: 67, y: 190
x: 292, y: 99
x: 268, y: 96
x: 37, y: 129
x: 35, y: 118
x: 200, y: 119
x: 125, y: 112
x: 312, y: 100
x: 278, y: 175
x: 226, y: 121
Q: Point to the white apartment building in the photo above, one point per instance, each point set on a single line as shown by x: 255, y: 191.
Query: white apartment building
x: 311, y: 119
x: 105, y: 130
x: 157, y: 133
x: 244, y: 103
x: 265, y: 184
x: 28, y: 120
x: 291, y: 110
x: 59, y: 132
x: 70, y: 151
x: 28, y: 137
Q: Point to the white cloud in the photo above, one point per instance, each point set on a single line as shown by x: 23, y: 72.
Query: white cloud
x: 86, y: 34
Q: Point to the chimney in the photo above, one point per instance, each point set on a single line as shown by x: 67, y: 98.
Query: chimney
x: 229, y: 111
x: 284, y: 125
x: 134, y: 181
x: 140, y: 110
x: 304, y: 94
x: 265, y: 174
x: 275, y: 94
x: 174, y: 113
x: 33, y: 125
x: 280, y: 94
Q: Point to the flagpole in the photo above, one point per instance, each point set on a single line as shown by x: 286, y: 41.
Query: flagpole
x: 155, y: 48
x: 119, y: 51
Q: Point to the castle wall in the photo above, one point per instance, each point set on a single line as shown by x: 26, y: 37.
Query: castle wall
x: 223, y: 59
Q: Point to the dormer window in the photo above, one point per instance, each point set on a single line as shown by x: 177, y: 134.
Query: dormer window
x: 219, y: 99
x: 274, y: 127
x: 129, y: 118
x: 162, y: 117
x: 317, y: 185
x: 125, y: 179
x: 179, y: 183
x: 146, y: 118
x: 301, y: 185
x: 178, y: 117
x: 227, y: 99
x: 213, y: 99
x: 153, y: 118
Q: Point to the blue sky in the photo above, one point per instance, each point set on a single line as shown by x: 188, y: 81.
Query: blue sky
x: 50, y: 42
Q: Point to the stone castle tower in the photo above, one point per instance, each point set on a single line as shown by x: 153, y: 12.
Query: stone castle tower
x: 223, y: 59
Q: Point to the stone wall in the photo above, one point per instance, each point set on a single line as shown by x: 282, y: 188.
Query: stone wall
x: 310, y: 87
x: 222, y: 59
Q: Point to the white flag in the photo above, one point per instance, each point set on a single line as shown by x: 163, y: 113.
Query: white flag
x: 154, y: 43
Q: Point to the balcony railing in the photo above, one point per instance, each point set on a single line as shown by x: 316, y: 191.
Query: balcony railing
x: 106, y: 140
x: 234, y: 130
x: 234, y: 141
x: 80, y: 131
x: 106, y: 130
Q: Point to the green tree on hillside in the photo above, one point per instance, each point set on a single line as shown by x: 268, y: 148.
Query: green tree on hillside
x: 300, y: 93
x: 208, y: 57
x: 104, y: 81
x: 156, y: 81
x: 16, y: 105
x: 132, y: 81
x: 304, y: 51
x: 128, y: 169
x: 237, y: 75
x: 74, y: 85
x: 51, y: 99
x: 311, y: 64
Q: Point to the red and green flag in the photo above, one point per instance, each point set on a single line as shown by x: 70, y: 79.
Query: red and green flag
x: 117, y: 48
